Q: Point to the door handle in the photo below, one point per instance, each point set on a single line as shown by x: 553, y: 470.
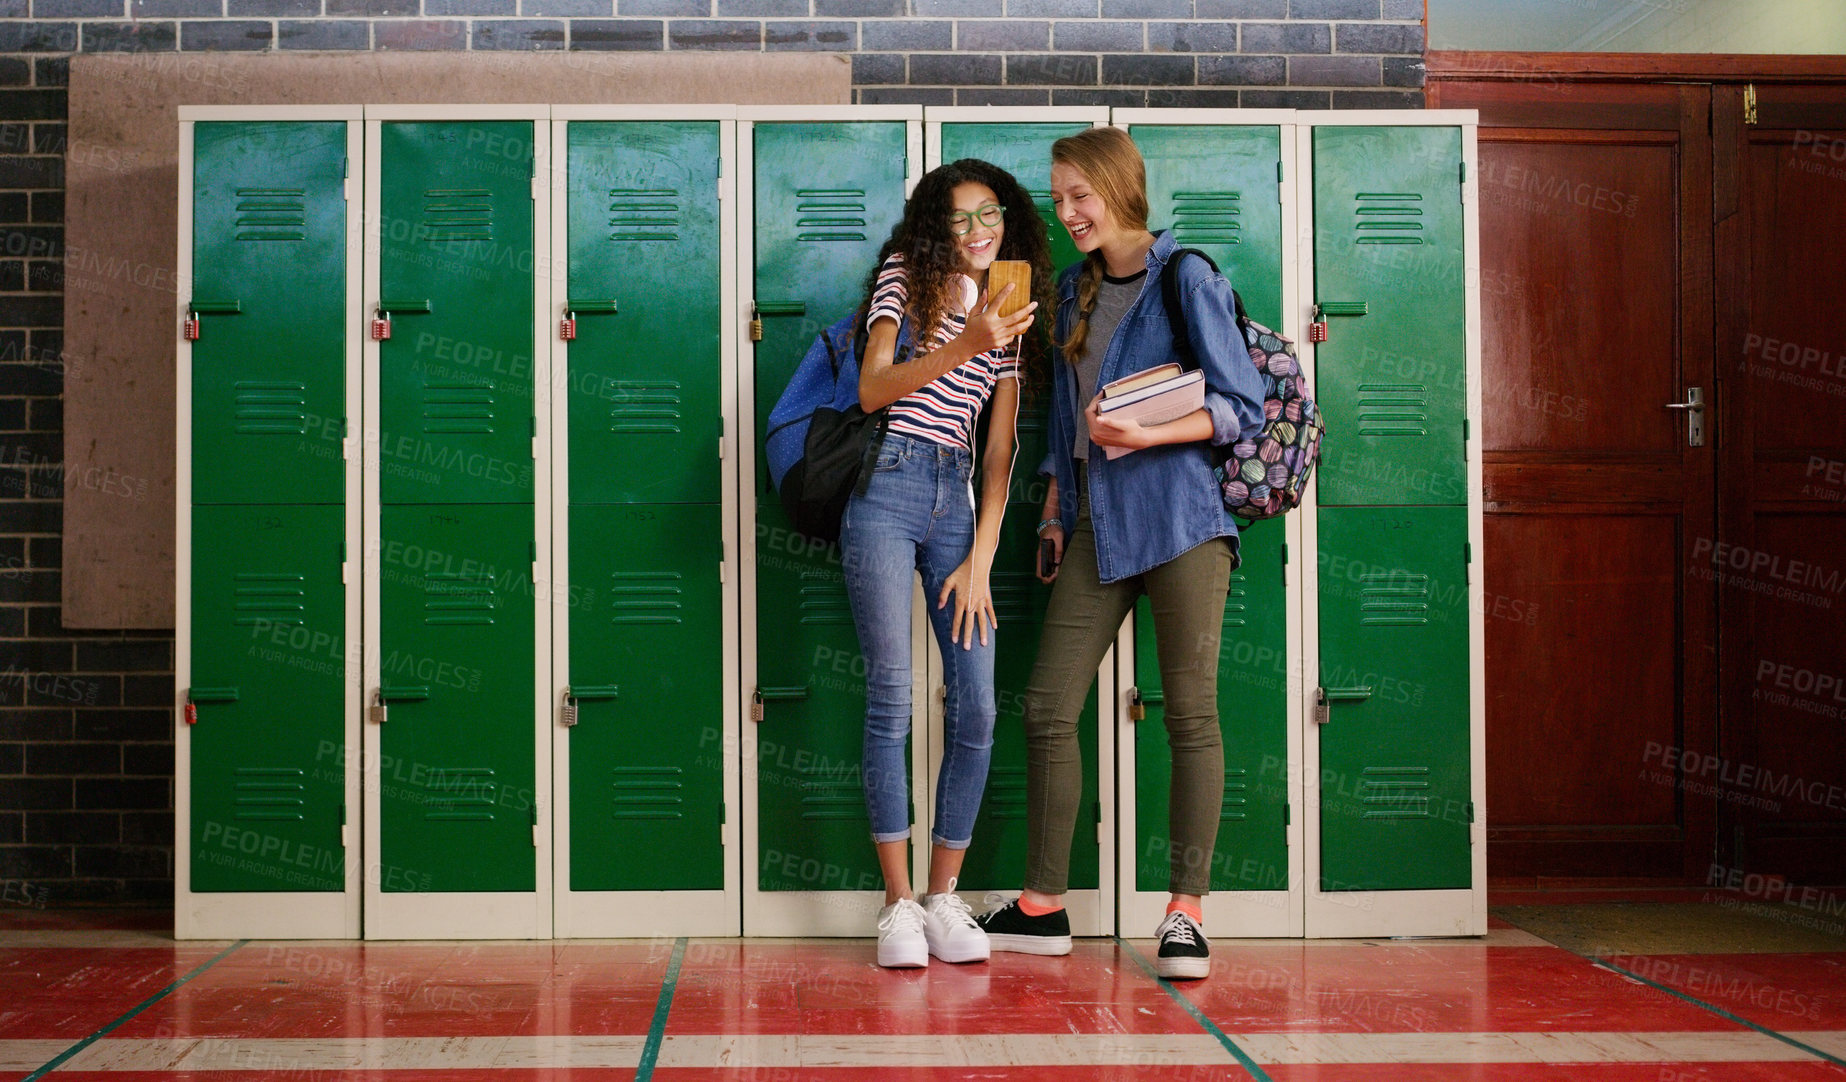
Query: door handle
x: 211, y: 695
x: 781, y: 308
x: 1347, y: 695
x: 403, y: 693
x: 592, y: 691
x: 1694, y: 405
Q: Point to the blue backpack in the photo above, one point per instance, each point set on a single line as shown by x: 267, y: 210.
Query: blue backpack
x: 819, y: 441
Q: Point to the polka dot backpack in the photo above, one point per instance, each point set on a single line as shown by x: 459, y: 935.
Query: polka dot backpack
x: 1264, y: 476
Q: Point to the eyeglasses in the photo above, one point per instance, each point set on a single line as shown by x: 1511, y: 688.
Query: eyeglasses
x: 962, y: 221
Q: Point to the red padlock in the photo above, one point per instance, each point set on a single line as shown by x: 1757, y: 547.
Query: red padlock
x: 1317, y: 329
x: 567, y: 327
x: 381, y: 328
x: 191, y: 326
x: 192, y: 713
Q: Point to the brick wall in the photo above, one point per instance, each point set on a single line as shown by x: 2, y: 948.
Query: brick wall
x: 86, y: 759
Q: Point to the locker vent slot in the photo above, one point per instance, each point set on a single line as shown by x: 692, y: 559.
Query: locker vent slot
x: 458, y: 408
x: 1394, y: 792
x: 272, y: 214
x: 829, y: 214
x: 832, y: 798
x: 1393, y: 599
x: 1207, y: 218
x: 452, y: 214
x: 645, y: 597
x: 1006, y: 794
x: 823, y: 600
x: 462, y: 597
x: 1388, y: 218
x: 1234, y: 605
x: 461, y: 792
x: 1393, y: 409
x: 269, y: 599
x: 1012, y: 593
x: 644, y: 214
x: 1236, y: 798
x: 271, y: 407
x: 269, y: 792
x: 646, y: 792
x: 643, y: 405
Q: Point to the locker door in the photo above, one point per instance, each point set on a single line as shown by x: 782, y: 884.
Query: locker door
x: 1216, y: 187
x: 267, y: 684
x: 644, y: 284
x: 269, y: 288
x: 645, y: 763
x: 458, y: 792
x: 459, y: 554
x: 996, y: 858
x: 1394, y: 771
x: 1390, y: 276
x: 825, y: 196
x: 455, y: 279
x: 647, y: 751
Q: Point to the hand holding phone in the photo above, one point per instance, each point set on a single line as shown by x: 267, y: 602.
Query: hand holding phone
x: 1048, y: 558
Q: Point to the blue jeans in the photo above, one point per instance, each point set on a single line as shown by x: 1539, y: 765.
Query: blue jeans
x: 917, y: 513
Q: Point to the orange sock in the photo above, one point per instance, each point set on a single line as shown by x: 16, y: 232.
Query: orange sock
x: 1033, y: 909
x: 1193, y: 911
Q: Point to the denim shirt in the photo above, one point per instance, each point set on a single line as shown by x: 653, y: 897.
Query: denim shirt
x: 1151, y: 505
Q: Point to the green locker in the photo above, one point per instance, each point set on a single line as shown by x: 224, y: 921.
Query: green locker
x: 645, y: 417
x: 996, y: 857
x: 269, y: 291
x: 458, y: 799
x: 268, y: 673
x: 1390, y: 279
x: 456, y: 263
x: 647, y: 749
x: 1395, y: 808
x: 1216, y: 188
x: 825, y: 197
x: 1252, y: 844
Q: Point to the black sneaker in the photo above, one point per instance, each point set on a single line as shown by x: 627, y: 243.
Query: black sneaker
x: 1185, y: 953
x: 1008, y: 928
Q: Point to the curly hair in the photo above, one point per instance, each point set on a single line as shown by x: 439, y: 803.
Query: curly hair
x: 1111, y: 162
x: 922, y: 237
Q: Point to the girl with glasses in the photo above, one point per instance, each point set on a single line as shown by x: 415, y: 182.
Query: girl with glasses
x: 918, y: 513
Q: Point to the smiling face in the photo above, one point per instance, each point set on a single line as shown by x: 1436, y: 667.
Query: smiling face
x: 1081, y: 209
x: 980, y: 245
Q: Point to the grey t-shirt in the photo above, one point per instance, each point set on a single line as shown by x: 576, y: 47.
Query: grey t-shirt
x: 1112, y: 303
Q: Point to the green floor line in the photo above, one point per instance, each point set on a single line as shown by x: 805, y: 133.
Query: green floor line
x: 1714, y: 1008
x: 1198, y: 1016
x: 657, y: 1032
x: 65, y: 1055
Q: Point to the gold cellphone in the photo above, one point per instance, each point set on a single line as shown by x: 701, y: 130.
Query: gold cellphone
x: 1016, y: 272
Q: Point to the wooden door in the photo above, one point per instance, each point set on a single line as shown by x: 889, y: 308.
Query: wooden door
x: 1596, y: 313
x: 1780, y: 555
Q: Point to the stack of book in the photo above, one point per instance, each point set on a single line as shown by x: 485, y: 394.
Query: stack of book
x: 1153, y: 396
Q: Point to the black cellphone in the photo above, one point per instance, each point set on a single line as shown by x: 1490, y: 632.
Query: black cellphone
x: 1047, y: 556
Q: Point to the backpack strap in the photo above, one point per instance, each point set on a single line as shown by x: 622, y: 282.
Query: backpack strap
x: 882, y: 418
x: 1176, y: 312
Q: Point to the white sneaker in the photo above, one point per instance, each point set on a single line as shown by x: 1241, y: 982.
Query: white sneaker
x: 948, y: 925
x: 901, y: 942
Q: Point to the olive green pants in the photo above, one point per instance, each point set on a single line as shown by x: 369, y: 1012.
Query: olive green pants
x: 1187, y: 596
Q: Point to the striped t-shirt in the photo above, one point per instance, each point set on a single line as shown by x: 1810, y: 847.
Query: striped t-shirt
x: 943, y: 410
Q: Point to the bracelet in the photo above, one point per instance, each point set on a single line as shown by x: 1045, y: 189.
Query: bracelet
x: 1058, y: 522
